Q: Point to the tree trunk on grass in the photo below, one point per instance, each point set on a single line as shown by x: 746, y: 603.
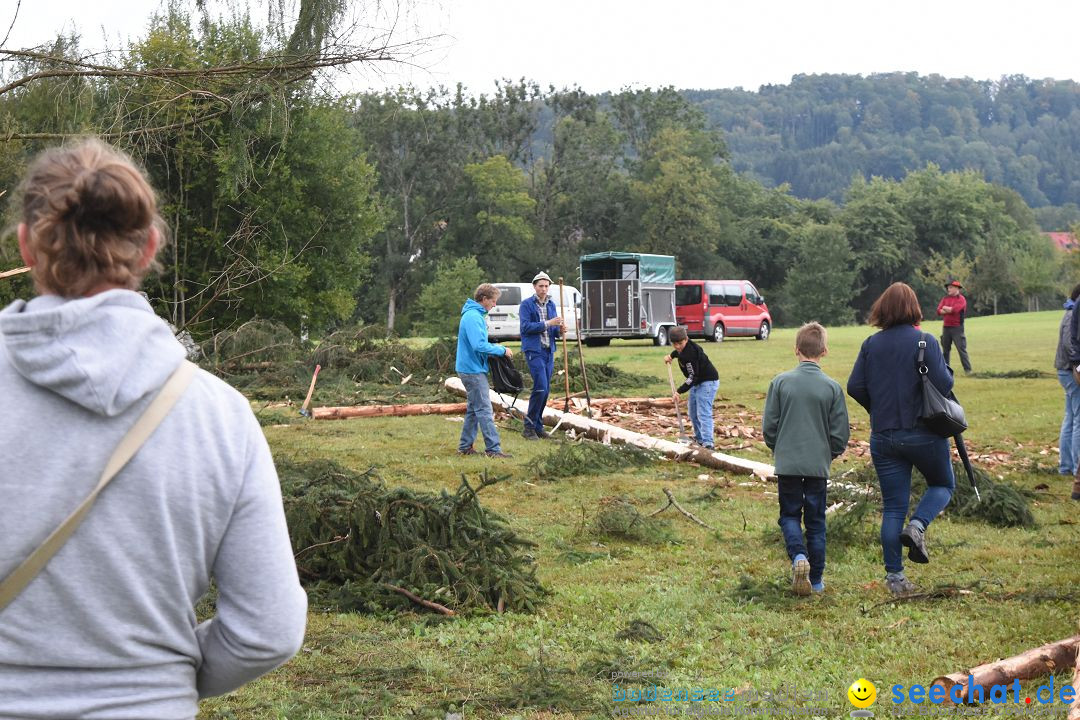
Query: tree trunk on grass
x: 604, y: 432
x: 1039, y: 661
x: 337, y: 413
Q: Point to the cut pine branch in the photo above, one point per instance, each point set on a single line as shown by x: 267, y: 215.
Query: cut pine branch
x: 1048, y: 658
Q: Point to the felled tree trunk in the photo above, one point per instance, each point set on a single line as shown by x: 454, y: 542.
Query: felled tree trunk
x: 337, y: 413
x: 1033, y: 663
x: 596, y: 430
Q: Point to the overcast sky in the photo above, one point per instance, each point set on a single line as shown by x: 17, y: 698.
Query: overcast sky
x: 606, y: 44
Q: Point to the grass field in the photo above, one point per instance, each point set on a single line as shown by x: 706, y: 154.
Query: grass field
x: 719, y: 600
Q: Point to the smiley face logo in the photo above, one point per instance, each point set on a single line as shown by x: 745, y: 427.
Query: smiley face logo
x: 862, y: 693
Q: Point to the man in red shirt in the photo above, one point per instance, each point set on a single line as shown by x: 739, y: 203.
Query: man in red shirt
x: 952, y: 309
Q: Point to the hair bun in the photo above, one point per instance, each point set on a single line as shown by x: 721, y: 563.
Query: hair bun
x: 100, y: 199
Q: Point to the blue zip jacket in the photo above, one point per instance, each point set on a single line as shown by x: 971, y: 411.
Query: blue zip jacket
x: 885, y: 379
x: 472, y: 340
x: 532, y: 327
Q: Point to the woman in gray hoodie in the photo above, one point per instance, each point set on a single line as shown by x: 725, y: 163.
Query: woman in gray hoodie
x: 107, y: 629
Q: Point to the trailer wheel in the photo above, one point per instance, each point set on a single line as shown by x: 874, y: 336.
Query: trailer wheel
x: 597, y: 342
x: 661, y: 336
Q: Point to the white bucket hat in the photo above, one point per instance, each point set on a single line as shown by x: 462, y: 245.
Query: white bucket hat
x: 541, y: 276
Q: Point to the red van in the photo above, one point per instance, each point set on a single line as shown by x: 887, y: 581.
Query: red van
x: 716, y: 309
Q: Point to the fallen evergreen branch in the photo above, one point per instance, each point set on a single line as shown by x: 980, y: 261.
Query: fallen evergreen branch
x: 570, y: 459
x: 618, y: 518
x: 1002, y: 504
x: 365, y: 547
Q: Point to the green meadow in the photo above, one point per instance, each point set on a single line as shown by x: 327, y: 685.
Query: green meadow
x: 705, y: 608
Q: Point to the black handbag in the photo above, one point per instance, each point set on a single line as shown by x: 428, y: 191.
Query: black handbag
x: 941, y: 414
x: 505, y: 378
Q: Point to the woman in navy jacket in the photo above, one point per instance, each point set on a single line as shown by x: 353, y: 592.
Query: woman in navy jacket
x: 885, y: 381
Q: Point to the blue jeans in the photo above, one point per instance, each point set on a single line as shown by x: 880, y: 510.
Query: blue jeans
x: 541, y: 366
x: 478, y: 413
x: 700, y: 411
x: 1069, y: 442
x: 802, y: 501
x: 894, y: 453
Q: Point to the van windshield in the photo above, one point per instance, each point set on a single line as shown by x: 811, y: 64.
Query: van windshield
x: 687, y: 294
x: 510, y: 295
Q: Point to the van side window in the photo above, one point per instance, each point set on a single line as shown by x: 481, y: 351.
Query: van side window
x: 687, y: 294
x: 715, y: 292
x: 752, y: 294
x: 510, y: 295
x: 732, y: 294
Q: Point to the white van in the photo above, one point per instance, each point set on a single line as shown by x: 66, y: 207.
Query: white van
x: 503, y: 322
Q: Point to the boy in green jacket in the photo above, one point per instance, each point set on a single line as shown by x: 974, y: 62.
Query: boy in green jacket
x: 806, y: 427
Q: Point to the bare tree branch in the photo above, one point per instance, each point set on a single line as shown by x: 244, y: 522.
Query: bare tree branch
x: 14, y: 17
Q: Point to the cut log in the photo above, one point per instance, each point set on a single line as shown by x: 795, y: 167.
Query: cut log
x: 338, y: 413
x: 596, y: 430
x: 1041, y: 660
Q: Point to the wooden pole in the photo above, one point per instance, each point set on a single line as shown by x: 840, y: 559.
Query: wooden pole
x: 581, y: 361
x: 311, y: 389
x: 675, y: 399
x: 16, y: 271
x: 565, y: 354
x: 596, y: 430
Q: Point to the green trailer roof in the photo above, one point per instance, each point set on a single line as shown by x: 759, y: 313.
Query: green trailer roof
x: 651, y: 268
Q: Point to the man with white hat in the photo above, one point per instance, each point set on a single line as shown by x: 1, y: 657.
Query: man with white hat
x: 540, y: 326
x: 952, y: 309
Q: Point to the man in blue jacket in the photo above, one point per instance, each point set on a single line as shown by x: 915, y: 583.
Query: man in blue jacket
x: 471, y: 365
x: 540, y: 327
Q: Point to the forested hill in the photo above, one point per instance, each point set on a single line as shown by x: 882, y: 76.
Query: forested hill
x: 818, y: 131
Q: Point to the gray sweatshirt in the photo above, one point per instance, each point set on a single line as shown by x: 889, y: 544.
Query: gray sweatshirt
x: 108, y: 629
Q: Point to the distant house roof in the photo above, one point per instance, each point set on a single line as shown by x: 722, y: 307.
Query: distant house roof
x: 1064, y: 240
